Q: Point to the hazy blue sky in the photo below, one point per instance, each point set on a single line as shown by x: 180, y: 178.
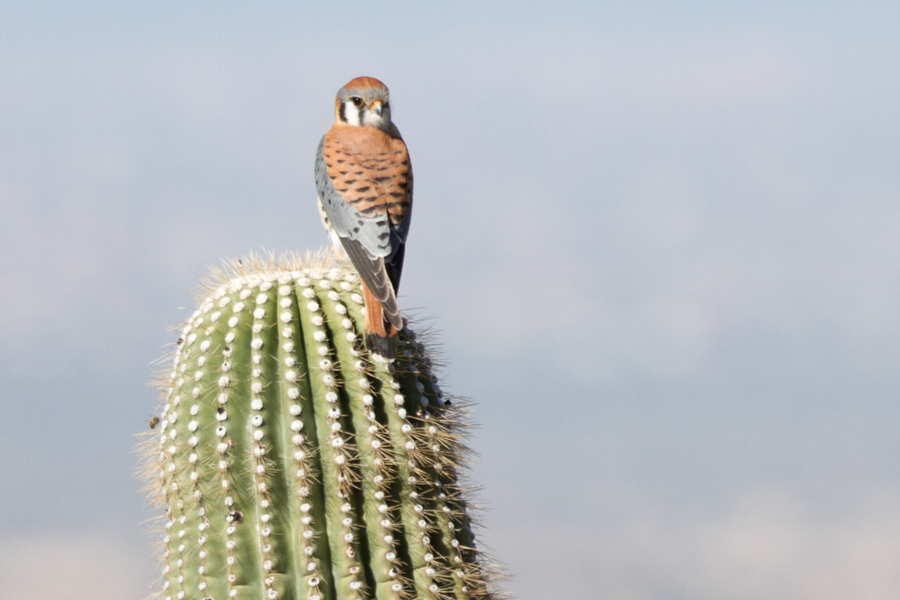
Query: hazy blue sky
x: 661, y: 241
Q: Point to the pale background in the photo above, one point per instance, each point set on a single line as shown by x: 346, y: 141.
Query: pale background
x: 660, y: 240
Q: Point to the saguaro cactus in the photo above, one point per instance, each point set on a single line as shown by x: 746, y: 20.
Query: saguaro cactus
x: 293, y: 466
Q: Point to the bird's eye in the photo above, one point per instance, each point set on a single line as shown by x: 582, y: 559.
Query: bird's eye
x: 356, y: 100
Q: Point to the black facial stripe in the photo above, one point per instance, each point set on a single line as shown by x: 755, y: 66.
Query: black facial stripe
x: 343, y: 112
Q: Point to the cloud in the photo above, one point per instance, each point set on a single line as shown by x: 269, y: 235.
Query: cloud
x: 636, y: 200
x: 50, y: 567
x: 766, y: 545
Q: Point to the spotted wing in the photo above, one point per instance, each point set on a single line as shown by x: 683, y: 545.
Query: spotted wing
x: 364, y: 180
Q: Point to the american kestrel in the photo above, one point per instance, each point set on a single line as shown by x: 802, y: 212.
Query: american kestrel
x: 364, y: 180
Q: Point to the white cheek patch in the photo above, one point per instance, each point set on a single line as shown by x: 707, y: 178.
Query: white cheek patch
x: 351, y: 113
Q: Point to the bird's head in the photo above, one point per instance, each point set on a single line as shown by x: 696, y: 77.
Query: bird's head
x: 363, y: 102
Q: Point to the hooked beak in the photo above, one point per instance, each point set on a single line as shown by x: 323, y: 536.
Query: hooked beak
x: 376, y: 107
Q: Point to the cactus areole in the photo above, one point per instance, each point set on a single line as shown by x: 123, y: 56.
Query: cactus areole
x: 291, y: 465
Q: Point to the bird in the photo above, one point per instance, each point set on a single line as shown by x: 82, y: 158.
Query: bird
x: 364, y: 182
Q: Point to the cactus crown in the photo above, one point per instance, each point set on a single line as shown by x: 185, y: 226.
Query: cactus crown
x: 291, y: 465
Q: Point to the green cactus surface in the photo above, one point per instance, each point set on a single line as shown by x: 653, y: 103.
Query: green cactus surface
x: 292, y: 465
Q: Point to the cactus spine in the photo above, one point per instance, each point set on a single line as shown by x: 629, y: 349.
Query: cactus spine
x: 292, y: 466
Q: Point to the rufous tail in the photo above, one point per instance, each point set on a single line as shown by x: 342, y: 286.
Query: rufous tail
x: 381, y: 336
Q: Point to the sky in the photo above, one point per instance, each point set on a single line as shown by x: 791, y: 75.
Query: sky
x: 658, y: 240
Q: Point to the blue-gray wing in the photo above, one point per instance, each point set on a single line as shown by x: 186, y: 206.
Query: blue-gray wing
x: 373, y: 244
x: 372, y: 232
